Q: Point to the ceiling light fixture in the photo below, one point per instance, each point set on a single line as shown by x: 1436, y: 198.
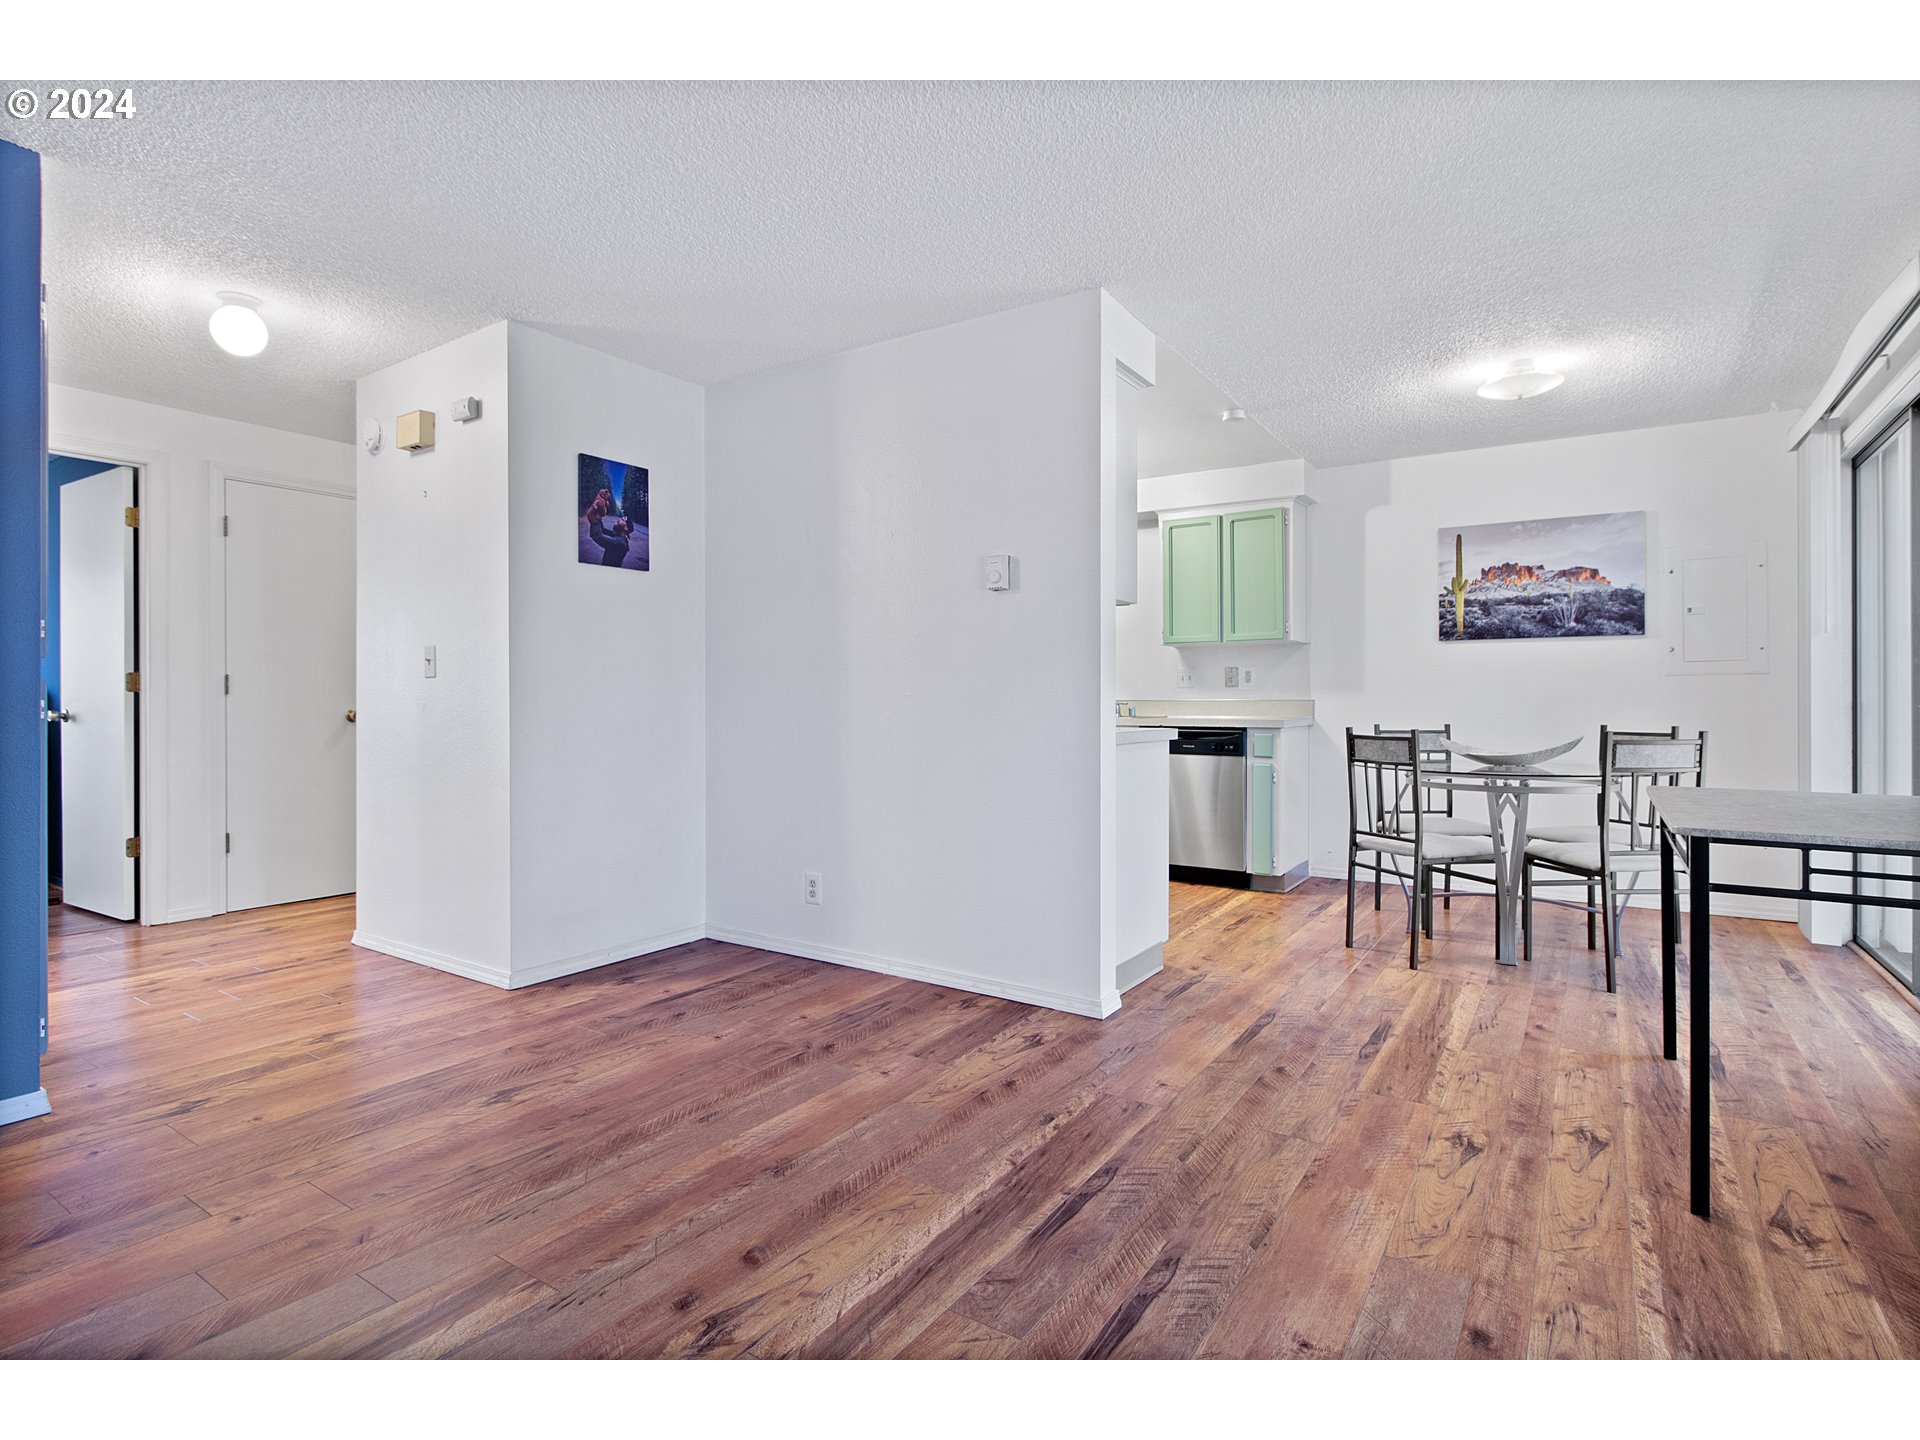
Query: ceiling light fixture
x: 1521, y: 380
x: 1236, y: 413
x: 236, y: 326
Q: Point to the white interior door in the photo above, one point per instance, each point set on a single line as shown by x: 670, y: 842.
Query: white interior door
x: 96, y: 654
x: 290, y: 751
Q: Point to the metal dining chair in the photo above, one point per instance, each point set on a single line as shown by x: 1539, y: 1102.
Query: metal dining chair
x: 1436, y: 808
x: 1626, y: 846
x: 1590, y: 834
x: 1387, y: 822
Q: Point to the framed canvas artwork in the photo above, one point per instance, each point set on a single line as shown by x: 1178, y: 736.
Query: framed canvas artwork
x: 613, y: 514
x: 1570, y: 577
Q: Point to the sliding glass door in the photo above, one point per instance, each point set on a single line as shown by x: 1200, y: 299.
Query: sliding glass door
x: 1884, y: 667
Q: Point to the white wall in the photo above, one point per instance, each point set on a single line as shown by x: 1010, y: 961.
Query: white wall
x: 538, y: 807
x: 1150, y: 670
x: 608, y: 667
x: 1376, y: 657
x: 932, y: 749
x: 433, y: 796
x: 182, y: 649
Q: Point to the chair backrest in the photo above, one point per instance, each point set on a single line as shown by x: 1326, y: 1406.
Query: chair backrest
x: 1632, y: 764
x: 1434, y: 755
x: 1383, y: 776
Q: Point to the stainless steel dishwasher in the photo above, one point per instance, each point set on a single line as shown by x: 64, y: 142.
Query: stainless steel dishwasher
x: 1208, y: 800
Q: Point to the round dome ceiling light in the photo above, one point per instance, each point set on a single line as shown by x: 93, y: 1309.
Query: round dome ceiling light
x: 1236, y: 413
x: 236, y: 326
x: 1521, y: 380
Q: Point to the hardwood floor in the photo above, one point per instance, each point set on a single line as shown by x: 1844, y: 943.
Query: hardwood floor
x: 266, y: 1142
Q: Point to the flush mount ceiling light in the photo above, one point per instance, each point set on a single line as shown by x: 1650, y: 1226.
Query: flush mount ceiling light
x: 1521, y: 380
x: 1236, y: 413
x: 236, y: 326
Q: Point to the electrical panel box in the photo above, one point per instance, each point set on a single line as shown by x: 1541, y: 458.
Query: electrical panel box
x: 1716, y: 609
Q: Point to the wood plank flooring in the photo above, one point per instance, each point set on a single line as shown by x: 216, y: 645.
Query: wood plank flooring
x: 268, y: 1143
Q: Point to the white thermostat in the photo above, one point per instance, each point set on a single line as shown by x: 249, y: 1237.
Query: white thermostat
x: 466, y: 408
x: 999, y: 572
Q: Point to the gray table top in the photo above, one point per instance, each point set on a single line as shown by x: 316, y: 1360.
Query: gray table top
x: 1791, y: 817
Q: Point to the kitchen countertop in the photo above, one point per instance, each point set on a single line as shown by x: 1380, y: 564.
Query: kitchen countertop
x: 1217, y: 722
x: 1125, y: 734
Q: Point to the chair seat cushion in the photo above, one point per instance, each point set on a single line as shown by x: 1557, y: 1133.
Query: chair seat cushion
x: 1587, y: 857
x: 1446, y: 825
x: 1565, y: 834
x: 1434, y: 848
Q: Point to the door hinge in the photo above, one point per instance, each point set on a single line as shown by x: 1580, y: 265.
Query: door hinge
x: 133, y: 848
x: 229, y: 842
x: 226, y: 684
x: 226, y: 524
x: 133, y: 682
x: 133, y: 517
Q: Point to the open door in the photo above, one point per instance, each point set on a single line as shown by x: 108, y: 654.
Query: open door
x: 98, y: 668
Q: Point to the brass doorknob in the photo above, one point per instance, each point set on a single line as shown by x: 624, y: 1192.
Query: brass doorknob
x: 350, y: 715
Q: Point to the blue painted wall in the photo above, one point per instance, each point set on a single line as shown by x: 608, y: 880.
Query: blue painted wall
x: 23, y: 740
x: 61, y: 470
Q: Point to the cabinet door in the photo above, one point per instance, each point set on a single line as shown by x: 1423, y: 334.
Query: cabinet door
x: 1260, y: 787
x: 1256, y: 575
x: 1190, y: 580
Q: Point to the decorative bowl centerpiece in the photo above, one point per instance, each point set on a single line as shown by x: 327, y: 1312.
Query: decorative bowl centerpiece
x: 1508, y: 759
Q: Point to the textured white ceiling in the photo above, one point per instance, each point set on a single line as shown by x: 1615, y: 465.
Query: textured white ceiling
x: 1337, y: 257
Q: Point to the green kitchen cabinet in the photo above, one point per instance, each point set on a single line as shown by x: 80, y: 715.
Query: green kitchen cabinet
x: 1190, y: 580
x: 1260, y: 793
x: 1254, y: 575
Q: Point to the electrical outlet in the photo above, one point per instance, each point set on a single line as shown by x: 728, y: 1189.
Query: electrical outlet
x: 810, y: 886
x: 1233, y: 677
x: 1186, y: 679
x: 1246, y: 674
x: 433, y: 662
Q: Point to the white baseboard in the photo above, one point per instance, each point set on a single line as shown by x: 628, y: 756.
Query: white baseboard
x: 1097, y: 1007
x: 1149, y: 962
x: 25, y: 1107
x: 612, y: 955
x: 188, y: 912
x: 1738, y: 907
x: 433, y: 959
x: 532, y: 974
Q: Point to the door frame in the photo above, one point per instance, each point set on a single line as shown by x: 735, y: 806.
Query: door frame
x: 152, y: 493
x: 1910, y: 418
x: 218, y: 474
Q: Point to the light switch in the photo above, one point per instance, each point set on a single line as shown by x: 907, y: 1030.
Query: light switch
x: 1186, y: 679
x: 433, y: 665
x: 1246, y: 674
x: 999, y: 572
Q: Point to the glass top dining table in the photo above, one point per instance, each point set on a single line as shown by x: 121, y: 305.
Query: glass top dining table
x: 1508, y: 788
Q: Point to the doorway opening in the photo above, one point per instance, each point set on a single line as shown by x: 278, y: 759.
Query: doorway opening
x: 90, y: 676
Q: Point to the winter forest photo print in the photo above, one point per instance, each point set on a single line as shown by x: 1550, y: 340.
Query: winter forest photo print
x: 1578, y: 575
